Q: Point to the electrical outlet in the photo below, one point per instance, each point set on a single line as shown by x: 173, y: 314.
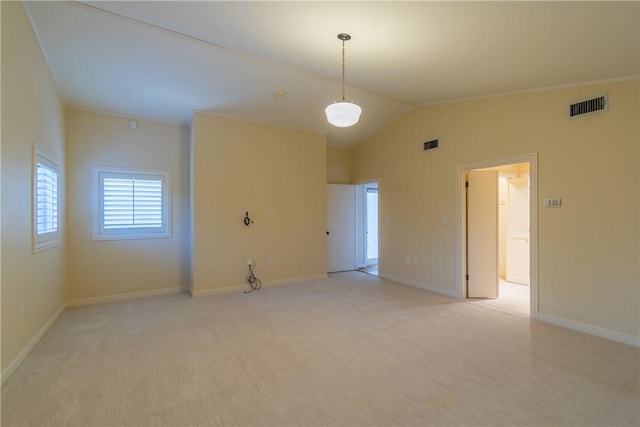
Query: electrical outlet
x: 272, y: 260
x: 408, y: 258
x: 249, y: 262
x: 21, y: 308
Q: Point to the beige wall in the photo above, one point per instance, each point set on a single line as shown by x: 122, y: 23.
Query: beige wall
x: 588, y: 249
x: 112, y: 267
x: 279, y: 176
x: 339, y: 165
x: 31, y: 114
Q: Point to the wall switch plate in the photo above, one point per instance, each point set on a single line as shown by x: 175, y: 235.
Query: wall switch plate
x: 552, y: 202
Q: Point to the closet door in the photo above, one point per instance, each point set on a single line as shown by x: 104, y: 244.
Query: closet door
x: 482, y: 234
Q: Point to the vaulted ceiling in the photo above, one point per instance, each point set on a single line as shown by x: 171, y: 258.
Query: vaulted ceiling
x: 164, y: 60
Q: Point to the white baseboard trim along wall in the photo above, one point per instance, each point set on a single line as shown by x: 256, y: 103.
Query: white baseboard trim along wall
x: 589, y: 329
x: 548, y: 318
x: 245, y: 286
x: 543, y: 317
x: 10, y: 369
x: 15, y: 363
x: 421, y: 285
x: 123, y: 297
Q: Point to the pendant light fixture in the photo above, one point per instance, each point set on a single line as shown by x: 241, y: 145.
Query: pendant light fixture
x: 344, y: 113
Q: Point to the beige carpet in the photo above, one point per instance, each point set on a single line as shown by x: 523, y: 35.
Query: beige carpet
x: 353, y: 350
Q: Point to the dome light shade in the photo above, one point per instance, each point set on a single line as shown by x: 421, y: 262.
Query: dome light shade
x: 343, y: 114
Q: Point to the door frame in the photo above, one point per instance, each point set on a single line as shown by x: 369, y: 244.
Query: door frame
x: 366, y: 224
x: 361, y: 254
x: 461, y: 216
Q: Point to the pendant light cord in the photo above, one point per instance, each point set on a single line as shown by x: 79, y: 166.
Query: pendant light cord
x: 343, y: 70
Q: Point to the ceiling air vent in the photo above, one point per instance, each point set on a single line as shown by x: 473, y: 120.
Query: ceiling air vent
x: 589, y: 106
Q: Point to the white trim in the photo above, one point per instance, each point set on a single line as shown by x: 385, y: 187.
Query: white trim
x: 534, y: 90
x: 125, y: 116
x: 43, y: 50
x: 590, y: 329
x: 421, y: 285
x: 53, y: 238
x: 245, y: 287
x: 17, y: 361
x: 532, y: 159
x: 124, y: 297
x: 97, y: 232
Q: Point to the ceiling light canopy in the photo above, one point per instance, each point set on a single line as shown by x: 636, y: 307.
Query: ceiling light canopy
x: 344, y: 113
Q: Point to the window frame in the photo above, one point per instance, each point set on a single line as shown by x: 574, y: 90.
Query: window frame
x: 98, y: 231
x: 43, y: 241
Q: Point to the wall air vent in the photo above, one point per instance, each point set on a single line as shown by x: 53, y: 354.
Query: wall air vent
x: 430, y: 145
x: 589, y: 106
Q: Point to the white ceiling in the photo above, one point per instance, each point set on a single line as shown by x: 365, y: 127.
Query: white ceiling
x: 164, y: 60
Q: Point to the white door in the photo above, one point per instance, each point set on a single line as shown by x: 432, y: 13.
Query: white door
x: 482, y: 234
x: 341, y: 227
x: 518, y: 231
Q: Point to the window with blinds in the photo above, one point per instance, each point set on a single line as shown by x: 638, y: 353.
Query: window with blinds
x: 45, y: 202
x: 131, y: 204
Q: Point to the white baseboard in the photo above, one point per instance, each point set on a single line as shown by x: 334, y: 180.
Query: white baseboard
x: 15, y: 363
x: 589, y: 329
x: 216, y: 291
x: 420, y: 285
x: 245, y: 287
x: 123, y: 297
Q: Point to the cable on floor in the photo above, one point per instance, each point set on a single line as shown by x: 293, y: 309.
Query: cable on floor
x: 253, y: 281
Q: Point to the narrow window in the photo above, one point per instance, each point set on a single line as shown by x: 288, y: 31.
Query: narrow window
x: 130, y: 204
x: 46, y: 202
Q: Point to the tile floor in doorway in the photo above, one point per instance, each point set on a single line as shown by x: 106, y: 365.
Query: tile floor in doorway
x: 513, y: 298
x: 372, y: 270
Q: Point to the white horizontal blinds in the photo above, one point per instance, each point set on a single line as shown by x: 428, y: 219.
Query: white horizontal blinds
x: 132, y: 202
x: 46, y: 199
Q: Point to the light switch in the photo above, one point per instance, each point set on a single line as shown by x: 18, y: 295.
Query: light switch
x: 552, y: 202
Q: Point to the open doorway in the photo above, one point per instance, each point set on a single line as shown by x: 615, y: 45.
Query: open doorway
x: 367, y: 227
x: 498, y: 265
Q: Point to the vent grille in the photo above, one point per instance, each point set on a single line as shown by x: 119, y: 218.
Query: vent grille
x: 589, y: 106
x: 430, y: 145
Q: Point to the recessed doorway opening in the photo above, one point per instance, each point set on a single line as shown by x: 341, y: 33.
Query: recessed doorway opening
x: 367, y: 227
x: 497, y: 234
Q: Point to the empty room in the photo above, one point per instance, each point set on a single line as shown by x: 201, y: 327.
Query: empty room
x: 320, y: 213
